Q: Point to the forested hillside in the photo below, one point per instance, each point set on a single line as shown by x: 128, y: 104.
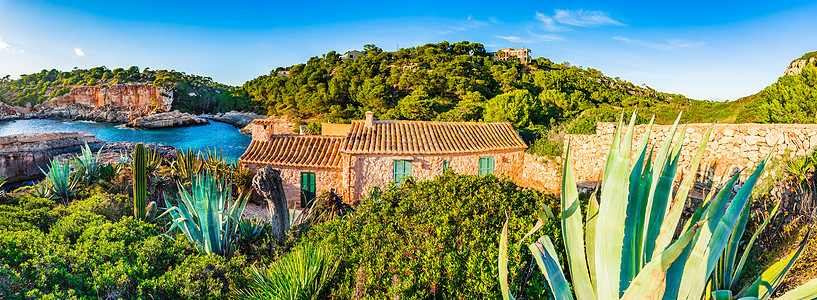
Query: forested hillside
x: 192, y: 93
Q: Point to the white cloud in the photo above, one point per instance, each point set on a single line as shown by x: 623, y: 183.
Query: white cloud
x: 515, y: 39
x: 535, y: 38
x: 469, y: 23
x: 562, y: 19
x: 547, y: 22
x: 670, y: 44
x: 79, y: 52
x: 583, y: 18
x: 3, y: 45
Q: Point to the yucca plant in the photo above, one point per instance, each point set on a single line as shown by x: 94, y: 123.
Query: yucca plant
x: 627, y: 250
x: 87, y: 164
x: 186, y: 165
x: 301, y: 275
x: 208, y: 216
x: 59, y: 181
x: 215, y: 161
x: 3, y: 181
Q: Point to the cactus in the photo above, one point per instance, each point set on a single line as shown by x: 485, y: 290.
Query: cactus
x: 139, y: 182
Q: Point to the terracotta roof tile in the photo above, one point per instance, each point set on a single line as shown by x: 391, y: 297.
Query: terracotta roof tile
x: 419, y: 137
x: 295, y: 150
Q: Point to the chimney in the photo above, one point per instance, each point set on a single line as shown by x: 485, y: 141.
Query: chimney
x: 369, y: 119
x: 303, y: 130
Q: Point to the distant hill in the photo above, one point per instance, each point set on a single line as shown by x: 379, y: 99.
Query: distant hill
x: 192, y: 93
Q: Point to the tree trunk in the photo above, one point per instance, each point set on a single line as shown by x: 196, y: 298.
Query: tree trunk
x: 269, y: 185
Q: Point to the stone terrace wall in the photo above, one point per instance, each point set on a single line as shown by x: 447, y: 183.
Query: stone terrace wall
x: 730, y: 147
x: 22, y: 155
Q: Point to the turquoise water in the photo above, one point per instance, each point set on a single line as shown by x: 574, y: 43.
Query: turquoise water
x: 217, y: 135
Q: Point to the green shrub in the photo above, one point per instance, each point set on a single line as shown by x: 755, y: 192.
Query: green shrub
x: 198, y: 277
x: 432, y: 239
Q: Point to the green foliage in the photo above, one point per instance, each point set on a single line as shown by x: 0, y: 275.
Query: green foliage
x: 207, y: 215
x: 94, y: 249
x: 433, y: 238
x: 186, y: 166
x: 59, y: 180
x: 302, y: 274
x: 790, y: 100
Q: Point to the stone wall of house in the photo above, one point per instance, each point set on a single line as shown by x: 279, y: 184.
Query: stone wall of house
x: 730, y: 147
x: 325, y: 180
x: 271, y: 126
x: 362, y: 172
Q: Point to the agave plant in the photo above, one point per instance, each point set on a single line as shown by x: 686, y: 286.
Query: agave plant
x: 208, y: 216
x: 87, y: 164
x: 627, y: 250
x: 40, y: 190
x: 186, y: 165
x: 59, y: 181
x: 3, y: 181
x: 302, y: 274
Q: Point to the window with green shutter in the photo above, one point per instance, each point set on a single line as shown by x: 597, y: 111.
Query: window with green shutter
x: 307, y: 188
x: 486, y: 165
x: 402, y: 169
x: 446, y: 164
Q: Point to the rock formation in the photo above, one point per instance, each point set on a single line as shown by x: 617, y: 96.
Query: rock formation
x: 268, y: 183
x: 22, y: 155
x: 796, y: 66
x: 167, y: 119
x: 119, y: 103
x: 237, y: 119
x: 8, y: 112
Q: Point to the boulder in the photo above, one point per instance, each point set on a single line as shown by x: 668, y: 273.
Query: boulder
x: 167, y: 119
x: 22, y: 155
x: 8, y: 112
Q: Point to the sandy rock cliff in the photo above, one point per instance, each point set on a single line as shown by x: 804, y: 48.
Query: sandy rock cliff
x: 796, y: 66
x: 22, y: 155
x: 118, y: 103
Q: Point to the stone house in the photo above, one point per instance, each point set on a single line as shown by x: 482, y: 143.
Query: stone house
x: 522, y: 54
x: 352, y: 54
x: 374, y: 153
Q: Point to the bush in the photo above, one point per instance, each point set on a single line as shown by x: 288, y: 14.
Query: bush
x: 199, y: 277
x: 433, y: 238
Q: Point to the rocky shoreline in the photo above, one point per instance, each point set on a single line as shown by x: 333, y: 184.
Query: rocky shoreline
x: 240, y: 120
x: 23, y: 155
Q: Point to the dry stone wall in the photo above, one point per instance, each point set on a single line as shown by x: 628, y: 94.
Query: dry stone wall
x: 730, y: 147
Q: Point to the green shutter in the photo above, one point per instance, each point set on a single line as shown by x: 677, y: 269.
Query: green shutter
x: 486, y: 165
x: 307, y: 188
x: 446, y: 164
x: 402, y: 169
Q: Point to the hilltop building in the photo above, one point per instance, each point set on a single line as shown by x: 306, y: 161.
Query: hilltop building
x: 350, y: 159
x: 522, y: 55
x: 283, y: 73
x: 352, y: 54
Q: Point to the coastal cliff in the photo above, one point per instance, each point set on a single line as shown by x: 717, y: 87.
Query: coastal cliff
x: 119, y: 103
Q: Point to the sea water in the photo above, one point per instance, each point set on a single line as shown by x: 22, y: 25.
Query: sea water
x: 217, y: 135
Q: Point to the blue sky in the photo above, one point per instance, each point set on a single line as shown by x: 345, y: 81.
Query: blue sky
x: 702, y: 49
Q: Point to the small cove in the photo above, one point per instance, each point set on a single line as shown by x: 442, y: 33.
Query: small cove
x: 217, y: 135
